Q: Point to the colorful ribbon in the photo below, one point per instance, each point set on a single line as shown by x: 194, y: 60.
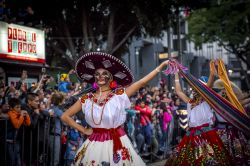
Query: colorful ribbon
x: 225, y: 109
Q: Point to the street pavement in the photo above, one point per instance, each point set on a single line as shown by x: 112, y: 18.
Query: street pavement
x: 160, y: 163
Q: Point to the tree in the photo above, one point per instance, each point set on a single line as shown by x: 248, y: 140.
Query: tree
x: 227, y: 23
x: 76, y: 27
x: 79, y: 26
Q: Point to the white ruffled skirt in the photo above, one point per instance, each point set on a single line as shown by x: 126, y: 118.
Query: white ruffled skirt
x: 98, y: 150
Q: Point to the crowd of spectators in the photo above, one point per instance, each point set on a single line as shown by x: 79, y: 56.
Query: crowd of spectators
x: 32, y: 132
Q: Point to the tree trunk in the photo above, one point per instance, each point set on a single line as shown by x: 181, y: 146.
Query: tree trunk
x: 244, y: 76
x: 85, y: 30
x: 110, y: 40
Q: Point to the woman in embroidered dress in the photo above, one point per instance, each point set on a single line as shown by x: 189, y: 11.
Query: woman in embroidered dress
x: 201, y: 145
x: 104, y: 110
x: 234, y: 140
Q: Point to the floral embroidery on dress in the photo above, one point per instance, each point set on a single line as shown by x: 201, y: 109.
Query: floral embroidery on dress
x: 195, y: 102
x: 116, y: 157
x: 80, y: 154
x: 119, y: 91
x: 84, y: 98
x: 91, y: 96
x: 125, y: 154
x: 93, y: 162
x: 104, y: 163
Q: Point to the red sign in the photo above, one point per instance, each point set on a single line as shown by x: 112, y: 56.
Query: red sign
x: 14, y: 32
x: 9, y: 46
x: 24, y: 36
x: 9, y: 33
x: 20, y: 41
x: 33, y: 37
x: 20, y: 46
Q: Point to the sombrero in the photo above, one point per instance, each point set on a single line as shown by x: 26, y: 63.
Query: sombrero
x: 88, y: 63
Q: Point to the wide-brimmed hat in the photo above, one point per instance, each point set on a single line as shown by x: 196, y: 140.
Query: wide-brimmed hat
x: 219, y: 85
x: 87, y: 64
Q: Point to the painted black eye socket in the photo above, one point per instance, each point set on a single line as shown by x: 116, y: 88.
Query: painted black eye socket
x: 105, y: 74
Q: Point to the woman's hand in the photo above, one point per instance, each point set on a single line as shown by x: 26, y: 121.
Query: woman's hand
x: 161, y: 66
x: 212, y: 67
x: 88, y: 131
x: 165, y: 63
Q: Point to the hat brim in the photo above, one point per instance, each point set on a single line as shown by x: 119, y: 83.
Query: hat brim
x: 218, y: 84
x: 87, y: 64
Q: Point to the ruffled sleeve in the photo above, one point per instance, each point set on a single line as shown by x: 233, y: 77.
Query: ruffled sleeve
x: 124, y: 101
x: 83, y: 100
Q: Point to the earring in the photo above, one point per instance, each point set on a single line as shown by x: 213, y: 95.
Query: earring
x: 113, y: 85
x: 95, y: 86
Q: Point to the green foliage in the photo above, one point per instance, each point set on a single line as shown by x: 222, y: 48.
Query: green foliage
x: 68, y: 20
x: 226, y: 23
x: 82, y: 26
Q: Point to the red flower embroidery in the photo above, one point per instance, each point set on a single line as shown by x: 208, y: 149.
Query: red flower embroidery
x: 119, y: 91
x: 125, y: 154
x: 83, y: 98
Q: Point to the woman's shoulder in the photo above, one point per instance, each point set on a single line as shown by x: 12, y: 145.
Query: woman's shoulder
x: 85, y: 97
x: 119, y: 91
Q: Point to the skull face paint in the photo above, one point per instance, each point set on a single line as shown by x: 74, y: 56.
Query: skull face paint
x: 102, y: 76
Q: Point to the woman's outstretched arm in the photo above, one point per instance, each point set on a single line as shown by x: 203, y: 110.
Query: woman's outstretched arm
x: 142, y: 82
x: 210, y: 81
x: 178, y: 89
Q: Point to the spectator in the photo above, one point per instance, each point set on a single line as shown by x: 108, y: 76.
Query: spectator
x: 73, y: 143
x: 31, y: 133
x: 17, y: 118
x: 145, y: 115
x: 65, y: 85
x: 55, y: 131
x: 131, y: 116
x: 165, y: 122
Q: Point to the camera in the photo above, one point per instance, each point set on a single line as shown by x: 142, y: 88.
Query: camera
x: 43, y: 70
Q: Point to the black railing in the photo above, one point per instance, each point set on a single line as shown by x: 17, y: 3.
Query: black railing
x: 34, y: 147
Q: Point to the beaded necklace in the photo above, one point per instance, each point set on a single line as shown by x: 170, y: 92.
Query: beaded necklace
x: 101, y: 104
x: 196, y: 101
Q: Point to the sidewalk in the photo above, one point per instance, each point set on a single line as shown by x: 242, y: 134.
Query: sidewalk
x: 160, y: 163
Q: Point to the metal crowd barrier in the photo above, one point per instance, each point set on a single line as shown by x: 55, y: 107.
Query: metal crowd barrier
x: 41, y: 155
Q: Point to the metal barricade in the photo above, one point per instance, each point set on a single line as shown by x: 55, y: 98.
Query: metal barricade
x: 34, y: 143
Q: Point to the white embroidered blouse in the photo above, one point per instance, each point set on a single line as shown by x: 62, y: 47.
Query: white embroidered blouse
x: 200, y: 114
x: 114, y: 114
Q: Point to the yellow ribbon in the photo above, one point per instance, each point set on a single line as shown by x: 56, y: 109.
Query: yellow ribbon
x: 227, y: 84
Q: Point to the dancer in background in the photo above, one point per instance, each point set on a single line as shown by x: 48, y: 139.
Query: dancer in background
x: 201, y: 145
x: 234, y: 140
x: 104, y: 110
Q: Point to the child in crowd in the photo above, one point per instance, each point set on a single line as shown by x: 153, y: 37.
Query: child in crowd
x: 17, y: 118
